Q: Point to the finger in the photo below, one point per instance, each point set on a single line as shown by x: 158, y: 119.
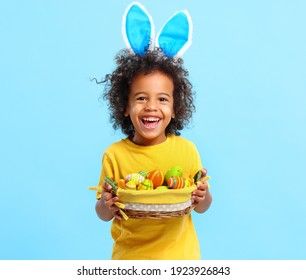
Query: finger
x: 114, y: 208
x: 107, y: 187
x: 204, y: 172
x: 111, y: 201
x: 117, y: 215
x: 107, y: 196
x: 202, y: 186
x: 199, y: 198
x: 199, y: 194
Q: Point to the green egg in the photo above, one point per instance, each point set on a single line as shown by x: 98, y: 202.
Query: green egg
x: 174, y: 171
x: 162, y: 188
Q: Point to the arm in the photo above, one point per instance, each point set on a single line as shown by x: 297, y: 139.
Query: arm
x: 105, y: 208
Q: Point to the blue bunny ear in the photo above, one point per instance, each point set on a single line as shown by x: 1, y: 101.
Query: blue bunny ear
x: 175, y: 36
x: 137, y: 28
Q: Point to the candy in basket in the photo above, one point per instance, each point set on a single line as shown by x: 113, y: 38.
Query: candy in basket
x: 154, y: 195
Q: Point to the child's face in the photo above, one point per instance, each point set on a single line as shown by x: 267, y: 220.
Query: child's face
x: 150, y: 107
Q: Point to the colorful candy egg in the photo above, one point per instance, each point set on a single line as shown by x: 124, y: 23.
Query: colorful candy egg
x: 175, y: 182
x: 157, y: 177
x: 174, y: 171
x: 121, y: 184
x: 197, y: 176
x: 135, y: 177
x: 143, y: 173
x: 162, y: 188
x: 188, y: 182
x: 147, y: 184
x: 131, y: 185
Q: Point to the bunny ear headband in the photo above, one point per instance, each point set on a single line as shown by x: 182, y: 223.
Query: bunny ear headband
x: 138, y: 32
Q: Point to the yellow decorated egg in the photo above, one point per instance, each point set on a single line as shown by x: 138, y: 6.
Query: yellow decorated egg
x: 135, y: 177
x: 187, y: 182
x: 145, y: 185
x: 157, y: 178
x: 175, y: 182
x: 131, y: 185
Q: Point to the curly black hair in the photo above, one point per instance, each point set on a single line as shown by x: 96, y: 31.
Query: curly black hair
x: 117, y: 87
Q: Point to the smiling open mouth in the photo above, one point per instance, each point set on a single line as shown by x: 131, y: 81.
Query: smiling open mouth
x: 150, y: 122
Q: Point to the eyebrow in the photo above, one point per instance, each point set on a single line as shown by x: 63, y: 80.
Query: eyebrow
x: 164, y: 93
x: 160, y: 93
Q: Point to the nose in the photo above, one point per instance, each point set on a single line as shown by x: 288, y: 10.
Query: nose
x: 151, y: 105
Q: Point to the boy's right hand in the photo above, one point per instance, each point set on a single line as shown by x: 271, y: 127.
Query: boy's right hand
x: 109, y: 201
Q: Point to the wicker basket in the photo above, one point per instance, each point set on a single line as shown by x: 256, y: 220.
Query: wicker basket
x: 156, y: 204
x: 157, y: 214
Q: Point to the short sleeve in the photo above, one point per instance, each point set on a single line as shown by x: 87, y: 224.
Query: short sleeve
x: 196, y: 159
x: 107, y: 170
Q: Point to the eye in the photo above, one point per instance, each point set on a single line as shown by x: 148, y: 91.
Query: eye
x: 163, y: 99
x: 141, y: 98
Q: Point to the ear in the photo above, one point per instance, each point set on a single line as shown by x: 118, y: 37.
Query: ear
x: 176, y: 35
x: 137, y: 28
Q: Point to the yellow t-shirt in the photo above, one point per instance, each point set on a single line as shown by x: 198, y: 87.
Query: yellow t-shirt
x: 145, y: 239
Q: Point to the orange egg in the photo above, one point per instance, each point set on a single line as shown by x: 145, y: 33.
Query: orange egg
x: 121, y: 184
x: 175, y: 182
x: 157, y: 177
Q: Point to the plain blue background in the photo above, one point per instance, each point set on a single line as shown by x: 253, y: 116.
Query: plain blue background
x: 248, y: 67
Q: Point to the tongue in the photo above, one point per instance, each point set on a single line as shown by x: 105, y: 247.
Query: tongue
x: 150, y: 125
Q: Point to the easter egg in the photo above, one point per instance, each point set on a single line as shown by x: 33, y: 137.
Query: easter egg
x: 135, y: 177
x: 131, y: 185
x: 197, y: 176
x: 121, y: 184
x: 162, y: 188
x: 143, y: 173
x: 147, y: 184
x: 175, y: 182
x: 157, y: 178
x: 187, y: 182
x: 174, y: 171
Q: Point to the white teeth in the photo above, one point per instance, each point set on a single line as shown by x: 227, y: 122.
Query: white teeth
x: 151, y: 119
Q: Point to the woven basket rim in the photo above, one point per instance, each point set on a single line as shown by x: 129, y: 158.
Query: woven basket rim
x: 158, y: 214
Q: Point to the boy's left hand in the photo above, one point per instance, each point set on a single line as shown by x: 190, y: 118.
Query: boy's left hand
x: 200, y: 193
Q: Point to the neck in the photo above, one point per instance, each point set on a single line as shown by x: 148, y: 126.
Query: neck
x: 147, y: 142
